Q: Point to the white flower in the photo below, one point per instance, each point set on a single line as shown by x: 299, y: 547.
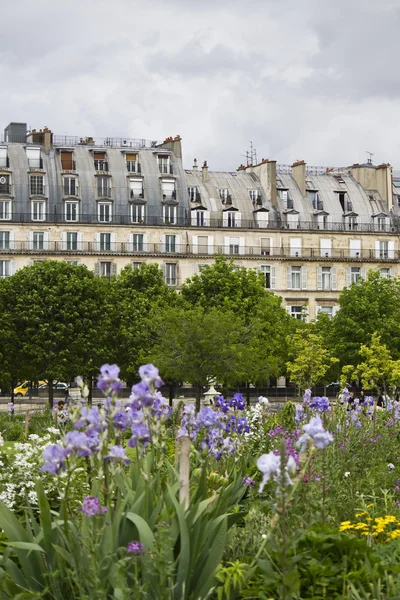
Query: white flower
x: 391, y: 466
x: 347, y: 473
x: 270, y: 466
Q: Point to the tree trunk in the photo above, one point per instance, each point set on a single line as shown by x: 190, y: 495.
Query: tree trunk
x: 90, y: 387
x: 198, y: 397
x: 51, y: 394
x: 171, y: 393
x: 248, y: 394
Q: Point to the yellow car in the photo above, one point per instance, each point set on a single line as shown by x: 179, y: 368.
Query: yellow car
x: 23, y: 389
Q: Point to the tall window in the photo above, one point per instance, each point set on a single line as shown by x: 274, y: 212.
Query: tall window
x: 138, y: 213
x: 383, y: 250
x: 266, y: 247
x: 38, y: 239
x: 326, y: 278
x: 231, y: 219
x: 170, y: 243
x: 105, y: 241
x: 169, y: 213
x: 194, y: 194
x: 70, y: 186
x: 105, y: 269
x: 286, y: 199
x: 72, y: 240
x: 387, y: 273
x: 202, y: 244
x: 100, y: 162
x: 297, y: 312
x: 325, y: 310
x: 132, y: 163
x: 137, y: 242
x: 104, y: 212
x: 38, y: 210
x: 103, y: 186
x: 71, y: 211
x: 315, y: 200
x: 170, y: 274
x: 5, y: 210
x: 164, y: 164
x: 296, y: 278
x: 223, y: 194
x: 200, y: 221
x: 355, y: 274
x: 135, y: 188
x: 233, y: 245
x: 269, y: 276
x: 4, y: 240
x: 5, y: 268
x: 67, y: 160
x: 37, y: 185
x: 5, y: 187
x: 4, y: 156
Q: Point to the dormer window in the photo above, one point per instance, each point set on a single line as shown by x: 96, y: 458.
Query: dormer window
x: 164, y: 164
x: 136, y: 189
x: 194, y: 194
x: 226, y: 198
x: 351, y: 223
x: 345, y: 202
x: 286, y: 199
x: 100, y: 162
x: 67, y: 160
x: 34, y: 157
x: 315, y: 200
x: 5, y: 187
x: 168, y: 189
x: 70, y: 186
x: 132, y: 163
x: 381, y: 222
x: 4, y: 162
x: 37, y: 187
x: 103, y: 186
x: 255, y: 197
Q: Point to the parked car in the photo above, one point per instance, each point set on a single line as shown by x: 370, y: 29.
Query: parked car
x: 23, y: 388
x: 57, y: 385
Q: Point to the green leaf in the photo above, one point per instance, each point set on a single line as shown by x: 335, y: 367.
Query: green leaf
x: 32, y: 547
x: 145, y: 534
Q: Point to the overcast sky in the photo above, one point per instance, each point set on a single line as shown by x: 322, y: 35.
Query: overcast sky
x: 312, y: 79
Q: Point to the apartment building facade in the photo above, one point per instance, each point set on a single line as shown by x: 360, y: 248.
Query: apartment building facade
x: 109, y: 203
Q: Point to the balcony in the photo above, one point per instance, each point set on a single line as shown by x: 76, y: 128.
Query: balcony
x: 165, y: 169
x: 133, y: 166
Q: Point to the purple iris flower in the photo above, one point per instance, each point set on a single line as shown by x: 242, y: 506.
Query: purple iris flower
x: 141, y: 395
x: 314, y: 430
x: 149, y: 373
x: 108, y: 375
x: 80, y: 443
x: 91, y: 506
x: 121, y: 420
x: 140, y: 435
x: 135, y: 548
x: 117, y: 453
x: 54, y: 457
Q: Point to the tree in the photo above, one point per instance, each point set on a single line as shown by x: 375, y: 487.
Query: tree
x: 139, y: 292
x: 56, y: 320
x: 198, y: 346
x: 309, y: 360
x: 372, y: 306
x: 376, y: 369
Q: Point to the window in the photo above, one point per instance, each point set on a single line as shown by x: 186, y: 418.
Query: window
x: 5, y: 240
x: 296, y: 278
x: 38, y: 211
x: 325, y: 247
x: 168, y: 188
x: 345, y: 202
x: 295, y: 246
x: 383, y: 250
x: 351, y: 223
x: 223, y: 194
x: 37, y: 185
x: 170, y: 243
x: 34, y: 158
x: 164, y: 164
x: 5, y: 187
x: 38, y: 240
x: 380, y: 223
x: 104, y: 212
x: 70, y: 186
x: 355, y: 248
x: 387, y: 273
x: 266, y: 247
x: 105, y: 269
x: 72, y: 240
x: 355, y: 274
x: 75, y: 263
x: 200, y: 218
x: 326, y: 310
x: 315, y: 200
x: 194, y: 194
x: 71, y: 211
x: 298, y: 312
x: 105, y: 242
x: 169, y: 214
x: 3, y: 157
x: 286, y: 199
x: 136, y: 265
x: 233, y: 245
x: 67, y: 161
x: 292, y: 220
x: 5, y: 210
x: 5, y: 268
x: 255, y: 197
x: 100, y: 162
x: 103, y: 186
x: 132, y: 163
x: 170, y: 274
x: 231, y: 219
x: 135, y: 188
x: 322, y: 221
x: 138, y: 212
x: 326, y: 278
x: 202, y: 244
x: 137, y: 242
x: 269, y: 276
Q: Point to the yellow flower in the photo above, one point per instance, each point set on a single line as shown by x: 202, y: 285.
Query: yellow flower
x: 361, y: 526
x: 369, y: 505
x: 361, y: 514
x: 346, y: 525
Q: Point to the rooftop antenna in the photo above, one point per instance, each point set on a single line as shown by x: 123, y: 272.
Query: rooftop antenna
x: 251, y: 155
x: 369, y: 161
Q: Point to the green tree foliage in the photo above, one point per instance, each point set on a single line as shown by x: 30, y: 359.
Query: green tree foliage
x: 55, y: 322
x: 376, y: 368
x: 137, y: 293
x: 372, y: 306
x: 309, y: 359
x: 198, y: 345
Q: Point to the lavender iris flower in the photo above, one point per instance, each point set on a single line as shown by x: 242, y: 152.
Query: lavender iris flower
x: 270, y: 467
x: 149, y: 373
x: 140, y: 435
x: 118, y: 454
x: 91, y: 506
x: 54, y: 457
x: 108, y: 377
x: 314, y: 430
x: 135, y: 548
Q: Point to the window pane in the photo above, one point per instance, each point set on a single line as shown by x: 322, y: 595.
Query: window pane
x: 5, y: 210
x: 4, y: 240
x: 37, y: 185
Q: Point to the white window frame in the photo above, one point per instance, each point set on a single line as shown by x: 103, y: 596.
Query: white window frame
x: 103, y: 190
x: 37, y: 189
x: 223, y: 194
x: 293, y: 311
x: 6, y: 184
x: 325, y: 247
x: 138, y: 241
x: 355, y: 248
x: 106, y: 268
x: 386, y: 273
x: 73, y: 209
x: 68, y: 188
x: 169, y: 214
x: 5, y: 268
x: 72, y: 243
x: 323, y: 310
x: 193, y: 192
x: 295, y: 246
x: 138, y: 213
x: 136, y: 188
x: 38, y: 210
x: 268, y: 270
x: 104, y: 212
x: 164, y: 163
x: 5, y: 240
x: 5, y: 210
x: 38, y: 240
x: 170, y: 243
x: 105, y: 241
x: 171, y: 274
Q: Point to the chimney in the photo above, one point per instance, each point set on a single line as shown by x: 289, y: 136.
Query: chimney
x: 204, y: 172
x: 174, y: 144
x: 299, y: 175
x: 195, y: 167
x: 271, y: 172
